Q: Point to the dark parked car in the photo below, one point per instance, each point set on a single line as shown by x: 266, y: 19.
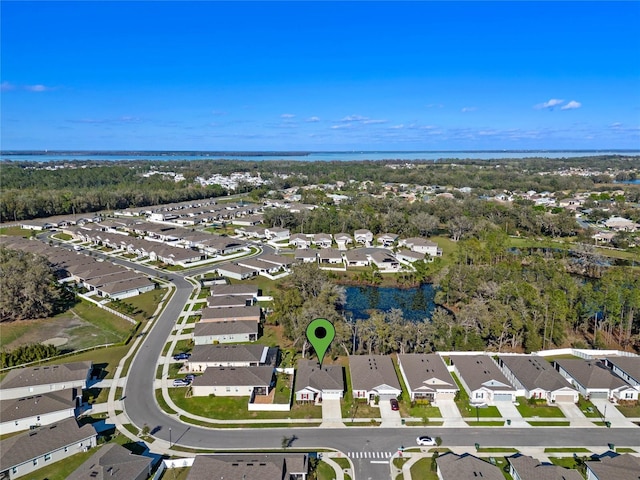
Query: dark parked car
x: 189, y: 378
x: 394, y: 404
x: 182, y: 356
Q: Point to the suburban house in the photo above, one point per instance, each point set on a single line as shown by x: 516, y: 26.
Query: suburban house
x: 356, y: 257
x: 523, y: 467
x: 29, y: 451
x: 234, y: 381
x: 482, y: 379
x: 451, y: 466
x: 226, y: 301
x: 226, y: 331
x: 29, y: 381
x: 306, y: 255
x: 259, y: 265
x: 250, y: 466
x: 618, y: 467
x: 210, y: 314
x: 300, y: 240
x: 277, y: 234
x: 114, y: 462
x: 427, y: 377
x: 373, y: 376
x: 594, y: 380
x: 322, y: 240
x: 537, y: 378
x: 387, y: 239
x: 620, y: 224
x: 204, y: 356
x: 313, y: 383
x: 237, y: 272
x: 363, y: 236
x: 383, y: 259
x: 342, y: 240
x: 242, y: 290
x: 331, y: 256
x: 281, y: 261
x: 23, y: 413
x: 422, y: 245
x: 409, y: 256
x: 627, y: 368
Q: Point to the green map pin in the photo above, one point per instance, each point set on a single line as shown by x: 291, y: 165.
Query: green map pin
x: 320, y: 333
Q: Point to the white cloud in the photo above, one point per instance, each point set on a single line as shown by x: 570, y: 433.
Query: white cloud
x: 313, y: 119
x: 37, y: 88
x: 468, y: 109
x: 373, y: 122
x: 354, y: 118
x: 554, y: 102
x: 287, y: 115
x: 6, y: 86
x: 397, y: 127
x: 572, y: 105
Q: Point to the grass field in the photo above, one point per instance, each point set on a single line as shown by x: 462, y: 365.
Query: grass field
x: 534, y: 410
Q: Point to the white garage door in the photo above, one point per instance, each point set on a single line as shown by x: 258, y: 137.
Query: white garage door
x: 565, y: 398
x: 502, y: 397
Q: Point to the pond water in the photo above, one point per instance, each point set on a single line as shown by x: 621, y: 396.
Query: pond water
x: 416, y: 303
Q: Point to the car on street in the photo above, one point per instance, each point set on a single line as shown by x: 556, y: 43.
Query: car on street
x: 394, y: 404
x: 181, y: 356
x: 179, y: 382
x: 426, y: 441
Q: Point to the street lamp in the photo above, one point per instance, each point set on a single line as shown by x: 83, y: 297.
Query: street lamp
x: 169, y: 437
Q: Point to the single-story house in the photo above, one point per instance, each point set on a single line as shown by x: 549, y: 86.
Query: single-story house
x: 277, y: 234
x: 363, y: 236
x: 409, y: 256
x: 384, y: 260
x: 253, y: 313
x: 537, y: 378
x: 451, y: 466
x: 322, y: 240
x: 250, y: 466
x: 387, y: 239
x: 280, y: 261
x: 234, y: 381
x: 356, y: 257
x: 226, y: 331
x: 627, y: 368
x: 621, y: 224
x: 343, y: 239
x: 300, y: 240
x: 313, y: 383
x: 113, y: 462
x: 29, y: 451
x: 259, y: 265
x: 28, y: 381
x: 482, y: 379
x: 306, y: 255
x: 373, y: 376
x: 242, y: 290
x: 523, y: 467
x: 422, y: 245
x: 237, y: 272
x: 331, y: 256
x: 594, y: 380
x: 251, y: 355
x: 427, y: 377
x: 18, y: 414
x: 618, y: 467
x: 227, y: 301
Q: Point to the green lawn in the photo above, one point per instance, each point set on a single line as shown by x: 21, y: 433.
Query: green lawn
x: 176, y: 474
x: 549, y: 424
x: 541, y: 410
x: 421, y: 411
x: 235, y: 408
x: 15, y: 232
x: 565, y: 449
x: 355, y: 408
x: 324, y: 471
x: 421, y: 470
x: 630, y: 411
x: 466, y: 410
x: 62, y: 469
x: 588, y: 408
x: 566, y: 462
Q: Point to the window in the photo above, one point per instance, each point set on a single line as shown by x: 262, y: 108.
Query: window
x: 628, y: 395
x: 35, y: 461
x: 14, y: 470
x: 16, y: 422
x: 47, y: 457
x: 66, y: 449
x: 38, y: 418
x: 228, y: 389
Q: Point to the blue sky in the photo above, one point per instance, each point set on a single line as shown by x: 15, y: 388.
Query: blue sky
x: 320, y: 76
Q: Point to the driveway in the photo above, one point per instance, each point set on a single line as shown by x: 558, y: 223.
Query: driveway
x: 508, y: 411
x: 450, y: 414
x: 574, y: 415
x: 390, y: 418
x: 611, y: 413
x: 331, y: 413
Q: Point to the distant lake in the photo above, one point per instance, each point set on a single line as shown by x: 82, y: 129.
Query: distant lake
x: 415, y: 303
x: 632, y: 182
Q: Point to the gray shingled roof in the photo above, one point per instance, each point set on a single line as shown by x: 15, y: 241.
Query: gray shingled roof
x: 112, y: 462
x: 34, y: 405
x: 591, y: 373
x: 479, y: 371
x: 463, y: 467
x: 230, y: 313
x: 218, y: 290
x: 226, y: 327
x: 530, y: 468
x: 534, y: 372
x: 629, y: 365
x: 622, y: 467
x: 426, y: 371
x: 371, y: 371
x: 248, y: 466
x: 44, y: 375
x: 37, y: 442
x: 309, y: 374
x: 232, y: 353
x: 234, y: 376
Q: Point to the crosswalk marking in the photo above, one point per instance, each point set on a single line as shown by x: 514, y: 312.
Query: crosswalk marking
x: 370, y: 454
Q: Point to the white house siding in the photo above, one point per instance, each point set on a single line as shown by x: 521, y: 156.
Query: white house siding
x: 224, y: 391
x: 229, y: 338
x: 52, y: 457
x: 44, y: 419
x: 9, y: 393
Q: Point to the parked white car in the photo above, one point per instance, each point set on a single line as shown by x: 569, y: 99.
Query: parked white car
x: 426, y: 441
